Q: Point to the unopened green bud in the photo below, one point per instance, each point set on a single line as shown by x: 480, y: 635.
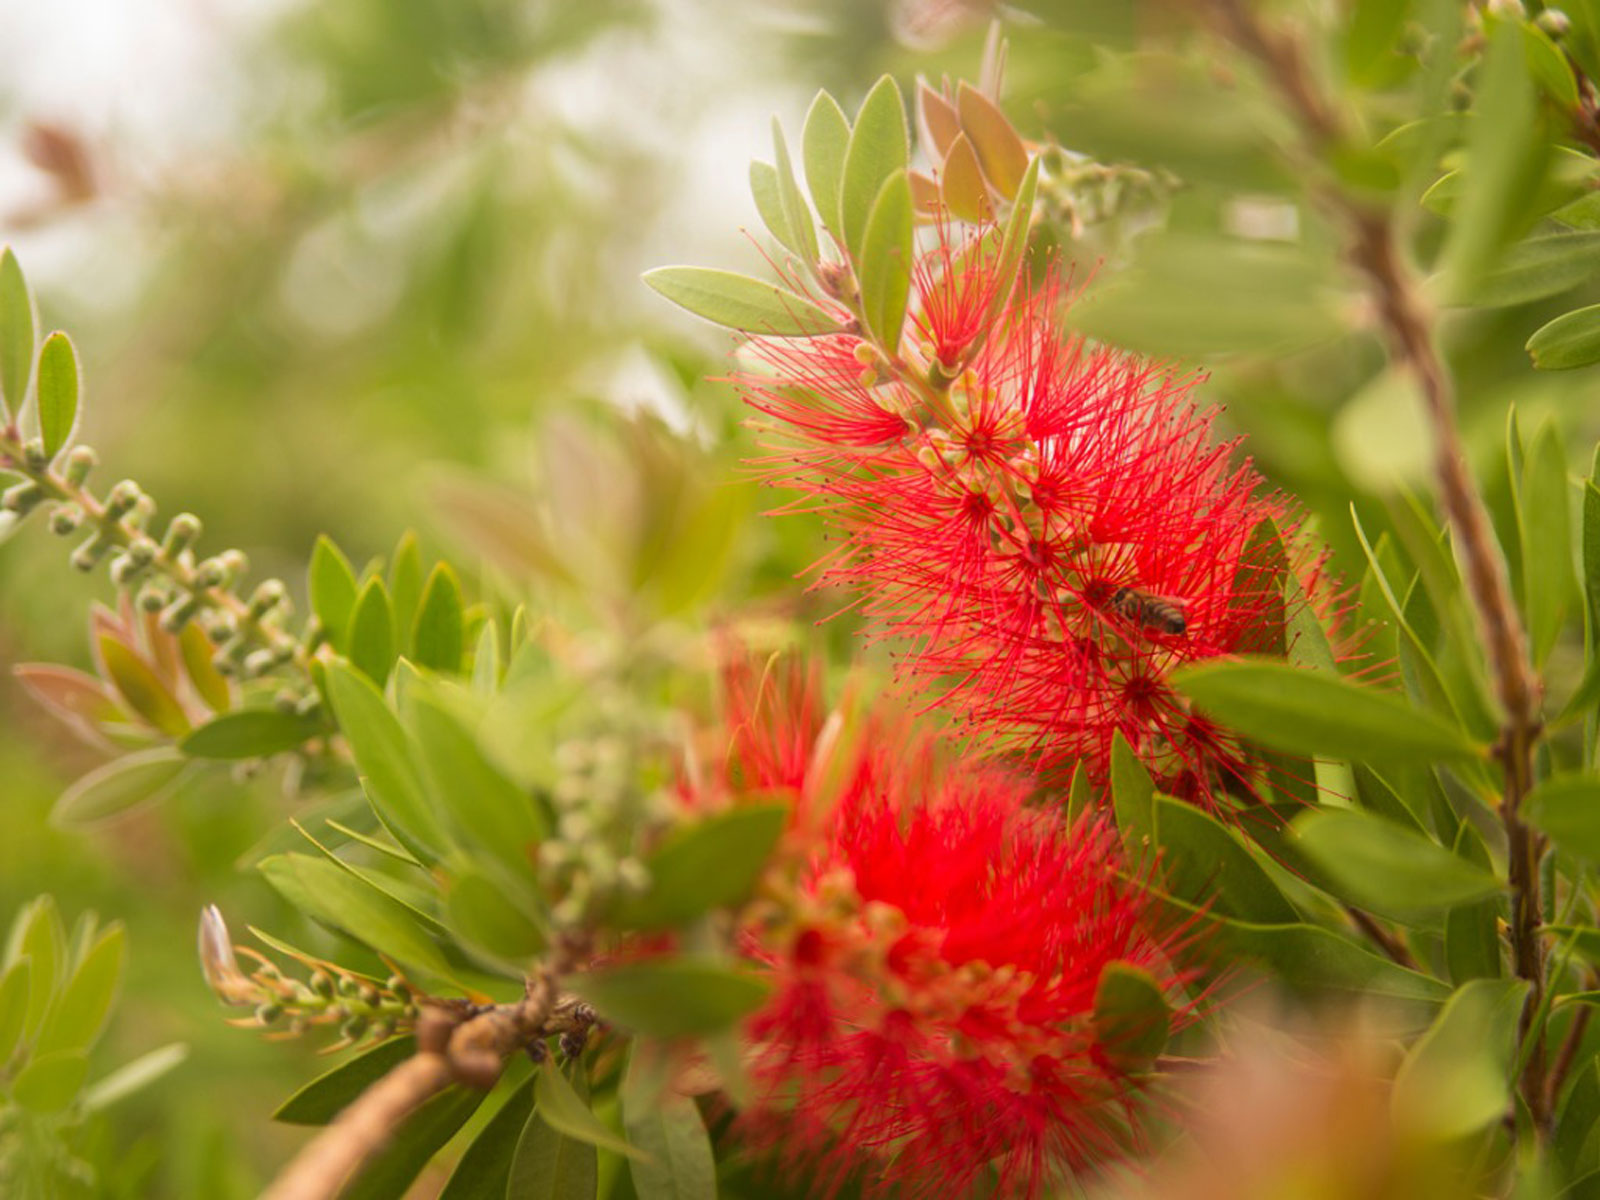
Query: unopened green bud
x: 211, y: 573
x: 349, y: 986
x: 1555, y: 23
x: 21, y: 498
x: 152, y: 597
x: 121, y: 499
x: 395, y: 985
x: 268, y: 596
x: 258, y: 663
x: 80, y: 461
x: 308, y: 704
x: 182, y: 531
x: 236, y: 562
x: 66, y: 519
x: 382, y: 1031
x: 268, y: 1013
x: 179, y: 613
x: 125, y: 571
x: 322, y: 984
x: 222, y: 628
x: 89, y: 555
x: 144, y: 511
x: 355, y: 1027
x: 286, y: 700
x: 34, y: 457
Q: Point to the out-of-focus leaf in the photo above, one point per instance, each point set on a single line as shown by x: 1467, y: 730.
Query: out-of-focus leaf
x: 884, y: 269
x: 999, y: 148
x: 319, y: 1101
x: 486, y: 661
x: 140, y: 688
x: 1548, y: 581
x: 1133, y: 798
x: 1572, y: 1146
x: 119, y: 785
x: 334, y: 896
x: 419, y: 1137
x: 1471, y: 934
x: 485, y: 807
x: 1311, y: 958
x: 1014, y: 242
x: 249, y: 733
x: 1381, y: 437
x: 1538, y: 267
x: 1454, y: 1078
x: 671, y: 997
x: 677, y: 1162
x: 439, y: 639
x: 740, y: 302
x: 50, y: 1082
x: 77, y: 1018
x: 481, y: 912
x: 134, y: 1076
x: 824, y: 142
x: 57, y: 391
x: 560, y: 1107
x: 962, y: 186
x: 1571, y: 340
x: 940, y: 122
x: 1131, y: 1016
x: 879, y: 146
x: 764, y: 190
x: 16, y: 984
x: 332, y: 585
x: 371, y: 638
x: 485, y: 1168
x: 1548, y: 66
x: 16, y: 333
x: 382, y: 751
x: 797, y: 217
x: 1206, y: 861
x: 209, y: 683
x: 1370, y: 36
x: 548, y: 1165
x: 36, y: 934
x: 405, y: 581
x: 1307, y: 712
x: 1388, y: 868
x: 1567, y: 808
x: 711, y: 864
x: 72, y: 694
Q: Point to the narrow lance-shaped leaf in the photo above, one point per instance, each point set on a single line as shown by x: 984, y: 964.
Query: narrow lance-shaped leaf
x: 1015, y: 242
x: 549, y: 1165
x: 764, y: 191
x: 1131, y: 1017
x: 740, y: 302
x: 1388, y: 868
x: 333, y: 589
x: 117, y: 786
x: 1567, y: 807
x: 140, y: 688
x: 371, y: 638
x: 879, y: 146
x: 678, y: 1163
x: 712, y: 864
x: 319, y: 1101
x: 962, y: 187
x: 1547, y: 575
x: 249, y: 733
x: 57, y: 391
x: 1571, y: 340
x: 671, y: 997
x: 79, y: 1015
x: 16, y: 333
x: 795, y: 213
x: 884, y: 270
x: 561, y: 1108
x: 439, y: 639
x: 1000, y: 150
x: 824, y: 142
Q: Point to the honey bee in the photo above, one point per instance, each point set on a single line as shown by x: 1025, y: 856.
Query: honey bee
x: 1149, y: 612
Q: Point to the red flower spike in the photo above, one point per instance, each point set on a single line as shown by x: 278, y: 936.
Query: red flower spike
x: 934, y: 956
x: 1053, y: 529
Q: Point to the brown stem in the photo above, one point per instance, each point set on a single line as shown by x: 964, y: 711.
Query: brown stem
x: 453, y: 1047
x: 1385, y: 941
x: 1407, y: 323
x: 1567, y: 1055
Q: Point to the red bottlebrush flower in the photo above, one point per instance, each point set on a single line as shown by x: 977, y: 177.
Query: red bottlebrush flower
x: 1048, y: 521
x: 934, y: 951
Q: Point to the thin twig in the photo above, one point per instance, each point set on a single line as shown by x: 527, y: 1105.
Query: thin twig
x: 1407, y: 323
x: 1381, y: 937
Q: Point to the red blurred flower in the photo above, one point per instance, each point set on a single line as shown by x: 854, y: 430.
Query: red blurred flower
x: 934, y: 947
x: 1049, y: 521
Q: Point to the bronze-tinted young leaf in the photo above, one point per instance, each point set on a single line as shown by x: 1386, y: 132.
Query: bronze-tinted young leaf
x: 439, y: 639
x: 740, y: 302
x: 485, y: 1167
x: 140, y: 688
x: 16, y: 334
x: 71, y: 694
x: 196, y: 651
x: 319, y: 1101
x: 57, y: 391
x: 879, y: 146
x: 941, y: 126
x: 249, y: 733
x: 823, y: 143
x: 371, y: 639
x: 884, y: 268
x: 666, y: 998
x: 333, y: 589
x: 1001, y: 154
x: 961, y: 184
x: 711, y: 864
x: 117, y: 786
x: 1131, y: 1016
x: 925, y: 198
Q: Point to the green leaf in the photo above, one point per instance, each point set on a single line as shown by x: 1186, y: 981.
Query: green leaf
x: 371, y: 637
x: 141, y: 688
x: 77, y: 1018
x: 879, y: 146
x: 1205, y: 860
x: 439, y: 639
x: 1591, y: 542
x: 962, y: 187
x: 36, y: 935
x: 485, y: 807
x: 417, y: 1139
x: 134, y: 1076
x: 764, y: 190
x: 677, y: 1162
x: 1548, y: 581
x: 486, y: 661
x: 740, y: 302
x: 209, y: 683
x: 485, y: 917
x: 485, y: 1168
x: 328, y: 893
x: 319, y: 1101
x: 671, y: 997
x: 1307, y: 712
x: 1571, y: 340
x: 332, y: 584
x: 1471, y: 933
x: 57, y: 391
x: 797, y: 217
x: 1310, y: 958
x: 824, y: 142
x: 1575, y: 1119
x: 1131, y: 1018
x: 249, y: 733
x: 1507, y: 153
x: 1370, y: 37
x: 382, y: 752
x: 1538, y: 267
x: 548, y: 1165
x: 884, y: 269
x: 560, y: 1107
x: 1014, y: 243
x: 1133, y: 798
x: 1454, y: 1080
x: 16, y: 333
x: 1388, y: 868
x: 111, y: 790
x: 713, y: 863
x: 50, y: 1082
x: 16, y: 985
x: 1567, y: 808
